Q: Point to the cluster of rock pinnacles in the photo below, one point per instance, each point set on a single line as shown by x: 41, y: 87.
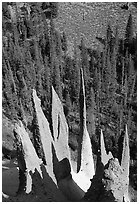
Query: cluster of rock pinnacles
x: 108, y: 182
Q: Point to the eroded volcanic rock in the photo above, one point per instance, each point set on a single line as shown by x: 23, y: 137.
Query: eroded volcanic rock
x: 108, y: 186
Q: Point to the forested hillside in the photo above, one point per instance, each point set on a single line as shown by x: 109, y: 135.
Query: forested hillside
x: 35, y: 56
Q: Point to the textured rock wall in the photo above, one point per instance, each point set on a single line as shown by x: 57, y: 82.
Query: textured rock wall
x: 109, y: 186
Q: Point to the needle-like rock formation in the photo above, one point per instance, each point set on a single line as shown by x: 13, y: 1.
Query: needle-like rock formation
x: 57, y: 178
x: 60, y: 128
x: 85, y: 162
x: 104, y: 156
x: 125, y: 162
x: 31, y: 159
x: 111, y: 180
x: 45, y: 135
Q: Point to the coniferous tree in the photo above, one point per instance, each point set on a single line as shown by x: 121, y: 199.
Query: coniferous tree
x: 57, y: 79
x: 131, y: 77
x: 85, y: 62
x: 64, y: 42
x: 37, y: 58
x: 50, y: 9
x: 76, y: 77
x: 114, y: 61
x: 92, y: 114
x: 9, y: 91
x: 129, y: 33
x: 109, y: 39
x: 46, y: 83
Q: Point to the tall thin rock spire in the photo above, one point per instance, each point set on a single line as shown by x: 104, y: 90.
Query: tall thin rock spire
x: 85, y: 158
x: 60, y: 127
x: 32, y: 161
x: 126, y: 154
x: 125, y: 162
x: 45, y: 135
x: 104, y: 156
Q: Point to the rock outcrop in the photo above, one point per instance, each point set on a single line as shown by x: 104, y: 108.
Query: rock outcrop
x: 110, y: 186
x: 111, y: 180
x: 56, y: 180
x: 36, y: 183
x: 104, y: 156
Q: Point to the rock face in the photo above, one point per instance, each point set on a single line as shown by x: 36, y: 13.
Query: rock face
x: 109, y: 186
x: 114, y: 182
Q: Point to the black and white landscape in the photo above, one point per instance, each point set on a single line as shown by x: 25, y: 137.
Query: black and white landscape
x: 69, y: 101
